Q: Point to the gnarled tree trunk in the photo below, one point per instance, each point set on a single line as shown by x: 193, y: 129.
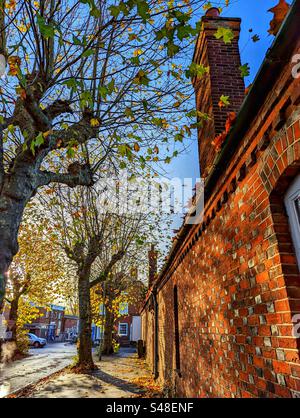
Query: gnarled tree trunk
x: 13, y: 317
x: 12, y: 206
x: 85, y: 358
x: 108, y: 332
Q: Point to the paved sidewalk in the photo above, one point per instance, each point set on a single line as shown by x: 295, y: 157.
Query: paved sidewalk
x: 40, y: 363
x: 119, y: 376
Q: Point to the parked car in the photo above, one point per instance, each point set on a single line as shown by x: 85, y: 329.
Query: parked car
x: 36, y: 341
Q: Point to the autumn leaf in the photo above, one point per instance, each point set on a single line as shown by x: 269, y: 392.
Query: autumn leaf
x: 218, y: 141
x: 136, y: 147
x: 94, y: 122
x: 224, y: 101
x: 76, y: 214
x: 132, y: 36
x: 11, y: 5
x: 225, y: 33
x: 196, y: 70
x: 230, y: 121
x: 21, y: 92
x: 14, y: 63
x: 245, y: 70
x: 137, y: 52
x: 47, y: 133
x: 50, y: 191
x: 280, y: 11
x: 255, y: 38
x: 207, y: 6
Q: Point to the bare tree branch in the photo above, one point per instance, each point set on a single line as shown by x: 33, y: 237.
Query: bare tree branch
x: 78, y: 175
x: 103, y: 276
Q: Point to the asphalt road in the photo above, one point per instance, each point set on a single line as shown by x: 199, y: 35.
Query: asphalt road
x: 41, y: 363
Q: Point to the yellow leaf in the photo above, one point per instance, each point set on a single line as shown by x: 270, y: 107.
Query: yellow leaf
x: 94, y: 122
x: 47, y: 133
x: 137, y: 52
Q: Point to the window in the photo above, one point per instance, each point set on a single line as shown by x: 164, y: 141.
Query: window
x: 123, y: 329
x: 102, y: 308
x: 292, y: 203
x: 123, y: 308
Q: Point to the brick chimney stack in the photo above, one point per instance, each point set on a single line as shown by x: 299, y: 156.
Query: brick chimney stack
x: 152, y: 255
x: 224, y: 78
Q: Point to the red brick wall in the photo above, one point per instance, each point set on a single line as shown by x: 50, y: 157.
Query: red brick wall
x: 148, y: 334
x: 237, y: 275
x: 42, y: 316
x: 70, y: 323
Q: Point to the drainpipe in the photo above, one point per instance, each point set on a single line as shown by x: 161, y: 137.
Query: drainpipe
x: 155, y: 363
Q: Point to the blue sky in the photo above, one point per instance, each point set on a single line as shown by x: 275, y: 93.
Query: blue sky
x: 255, y: 15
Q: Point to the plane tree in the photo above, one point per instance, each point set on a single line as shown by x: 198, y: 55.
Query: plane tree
x: 95, y: 238
x: 87, y: 80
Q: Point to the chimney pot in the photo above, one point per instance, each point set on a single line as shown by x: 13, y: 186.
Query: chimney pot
x: 213, y: 12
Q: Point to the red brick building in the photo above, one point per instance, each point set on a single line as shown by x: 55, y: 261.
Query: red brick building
x: 128, y: 325
x: 52, y: 323
x: 70, y: 325
x: 218, y: 320
x: 49, y: 324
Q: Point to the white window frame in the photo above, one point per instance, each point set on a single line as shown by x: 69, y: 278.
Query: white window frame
x: 119, y: 331
x: 102, y: 309
x: 290, y: 198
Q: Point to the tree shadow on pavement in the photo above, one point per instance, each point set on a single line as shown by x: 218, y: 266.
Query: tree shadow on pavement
x: 117, y: 382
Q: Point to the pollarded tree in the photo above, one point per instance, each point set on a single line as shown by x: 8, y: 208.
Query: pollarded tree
x: 89, y: 234
x: 122, y: 288
x: 87, y: 79
x: 38, y: 269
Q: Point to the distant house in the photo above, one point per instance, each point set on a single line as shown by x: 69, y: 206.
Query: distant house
x: 128, y: 325
x: 52, y: 323
x: 70, y: 326
x: 49, y: 324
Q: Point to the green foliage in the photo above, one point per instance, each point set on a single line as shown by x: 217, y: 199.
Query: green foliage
x: 26, y: 315
x: 196, y: 70
x: 224, y: 33
x: 47, y: 30
x: 116, y: 346
x: 39, y: 140
x: 224, y: 101
x: 245, y: 70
